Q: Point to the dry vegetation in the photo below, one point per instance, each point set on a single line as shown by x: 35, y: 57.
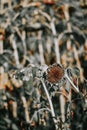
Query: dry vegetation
x: 43, y: 65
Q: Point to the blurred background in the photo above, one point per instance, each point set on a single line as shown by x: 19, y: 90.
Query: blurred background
x: 40, y: 32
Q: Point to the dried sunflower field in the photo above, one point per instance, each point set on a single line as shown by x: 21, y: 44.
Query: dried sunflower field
x: 43, y: 64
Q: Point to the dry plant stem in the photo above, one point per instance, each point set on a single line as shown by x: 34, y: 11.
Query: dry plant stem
x: 48, y: 45
x: 45, y: 15
x: 23, y: 4
x: 24, y: 46
x: 83, y: 2
x: 67, y: 17
x: 72, y: 84
x: 14, y: 108
x: 54, y: 34
x: 12, y: 39
x: 14, y: 18
x: 24, y: 43
x: 62, y: 93
x: 42, y: 109
x: 62, y: 106
x: 68, y: 86
x: 26, y: 109
x: 80, y: 31
x: 3, y: 2
x: 23, y: 38
x: 59, y: 38
x: 78, y: 63
x: 51, y: 105
x: 41, y: 48
x: 62, y: 99
x: 1, y: 68
x: 55, y: 41
x: 26, y: 4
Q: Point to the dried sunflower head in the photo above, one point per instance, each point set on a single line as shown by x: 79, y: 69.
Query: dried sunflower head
x: 55, y: 74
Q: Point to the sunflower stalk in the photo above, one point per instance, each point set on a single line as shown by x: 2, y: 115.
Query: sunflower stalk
x: 41, y: 48
x: 23, y: 38
x: 24, y: 46
x: 51, y: 105
x: 62, y: 99
x: 62, y: 106
x: 52, y: 24
x: 14, y: 108
x: 12, y: 39
x: 55, y: 41
x: 1, y: 68
x: 69, y: 28
x: 67, y: 17
x: 25, y: 108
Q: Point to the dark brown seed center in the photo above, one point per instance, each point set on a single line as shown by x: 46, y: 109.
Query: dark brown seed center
x: 55, y: 74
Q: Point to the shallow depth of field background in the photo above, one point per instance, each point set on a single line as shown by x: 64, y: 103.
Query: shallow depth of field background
x: 42, y: 32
